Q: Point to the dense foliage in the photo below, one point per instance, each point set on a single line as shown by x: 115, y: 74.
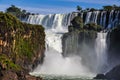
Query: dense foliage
x: 77, y: 24
x: 105, y: 8
x: 18, y: 12
x: 20, y: 42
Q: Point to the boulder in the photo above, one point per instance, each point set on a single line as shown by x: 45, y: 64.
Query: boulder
x: 100, y: 76
x: 114, y: 74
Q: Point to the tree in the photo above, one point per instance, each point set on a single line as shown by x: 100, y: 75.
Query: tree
x: 92, y: 9
x: 24, y: 11
x: 108, y: 8
x: 77, y: 22
x: 14, y: 10
x: 87, y: 9
x: 79, y: 8
x: 18, y: 12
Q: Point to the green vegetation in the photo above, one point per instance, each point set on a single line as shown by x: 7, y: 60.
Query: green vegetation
x: 18, y: 12
x: 7, y: 64
x: 109, y: 7
x: 92, y: 26
x: 77, y: 24
x: 20, y: 42
x: 79, y: 8
x: 105, y: 8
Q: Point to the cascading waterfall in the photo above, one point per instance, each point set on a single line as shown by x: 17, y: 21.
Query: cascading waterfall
x: 57, y: 22
x: 101, y: 49
x: 54, y: 62
x: 55, y: 25
x: 107, y: 19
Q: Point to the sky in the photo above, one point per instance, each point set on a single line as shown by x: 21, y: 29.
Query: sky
x: 55, y: 6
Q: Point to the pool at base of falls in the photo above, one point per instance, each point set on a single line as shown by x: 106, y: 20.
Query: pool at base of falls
x: 63, y: 77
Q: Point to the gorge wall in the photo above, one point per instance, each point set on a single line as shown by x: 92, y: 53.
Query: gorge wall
x: 22, y: 45
x: 113, y: 43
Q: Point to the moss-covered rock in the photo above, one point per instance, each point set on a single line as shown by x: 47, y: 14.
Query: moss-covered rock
x: 7, y: 64
x: 21, y: 44
x: 77, y: 24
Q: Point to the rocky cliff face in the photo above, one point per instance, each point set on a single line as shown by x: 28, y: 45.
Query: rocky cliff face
x: 113, y: 43
x: 22, y: 45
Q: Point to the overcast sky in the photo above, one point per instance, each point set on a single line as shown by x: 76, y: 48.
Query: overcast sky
x: 55, y: 6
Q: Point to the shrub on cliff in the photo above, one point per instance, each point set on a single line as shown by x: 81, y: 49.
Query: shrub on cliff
x: 7, y: 64
x: 109, y: 7
x: 93, y: 26
x: 23, y: 43
x: 18, y: 12
x: 77, y: 23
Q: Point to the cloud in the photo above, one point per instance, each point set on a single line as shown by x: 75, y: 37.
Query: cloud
x: 105, y: 2
x: 49, y: 10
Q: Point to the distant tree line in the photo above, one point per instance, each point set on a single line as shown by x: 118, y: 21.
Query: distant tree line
x: 105, y: 8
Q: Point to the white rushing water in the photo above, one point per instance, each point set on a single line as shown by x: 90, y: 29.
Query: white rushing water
x: 101, y: 50
x: 54, y: 63
x: 57, y: 22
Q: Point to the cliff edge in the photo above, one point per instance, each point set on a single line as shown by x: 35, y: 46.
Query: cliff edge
x: 22, y: 47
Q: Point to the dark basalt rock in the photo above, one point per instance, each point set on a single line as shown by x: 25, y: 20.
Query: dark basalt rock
x: 113, y: 45
x: 114, y: 74
x: 100, y: 76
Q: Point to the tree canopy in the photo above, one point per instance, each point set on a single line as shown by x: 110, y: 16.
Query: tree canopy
x: 18, y: 12
x: 79, y: 8
x: 105, y: 8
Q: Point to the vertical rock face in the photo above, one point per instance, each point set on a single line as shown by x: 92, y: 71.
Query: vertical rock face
x: 114, y: 74
x: 113, y: 43
x: 21, y: 44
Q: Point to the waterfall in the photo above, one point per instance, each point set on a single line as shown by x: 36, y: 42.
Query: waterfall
x: 57, y: 22
x: 55, y: 25
x: 101, y: 49
x: 107, y: 19
x: 86, y: 62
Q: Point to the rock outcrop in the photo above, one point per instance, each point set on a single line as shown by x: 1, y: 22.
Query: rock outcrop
x: 113, y: 44
x: 22, y: 46
x: 78, y: 36
x: 114, y: 74
x: 100, y: 76
x: 80, y: 41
